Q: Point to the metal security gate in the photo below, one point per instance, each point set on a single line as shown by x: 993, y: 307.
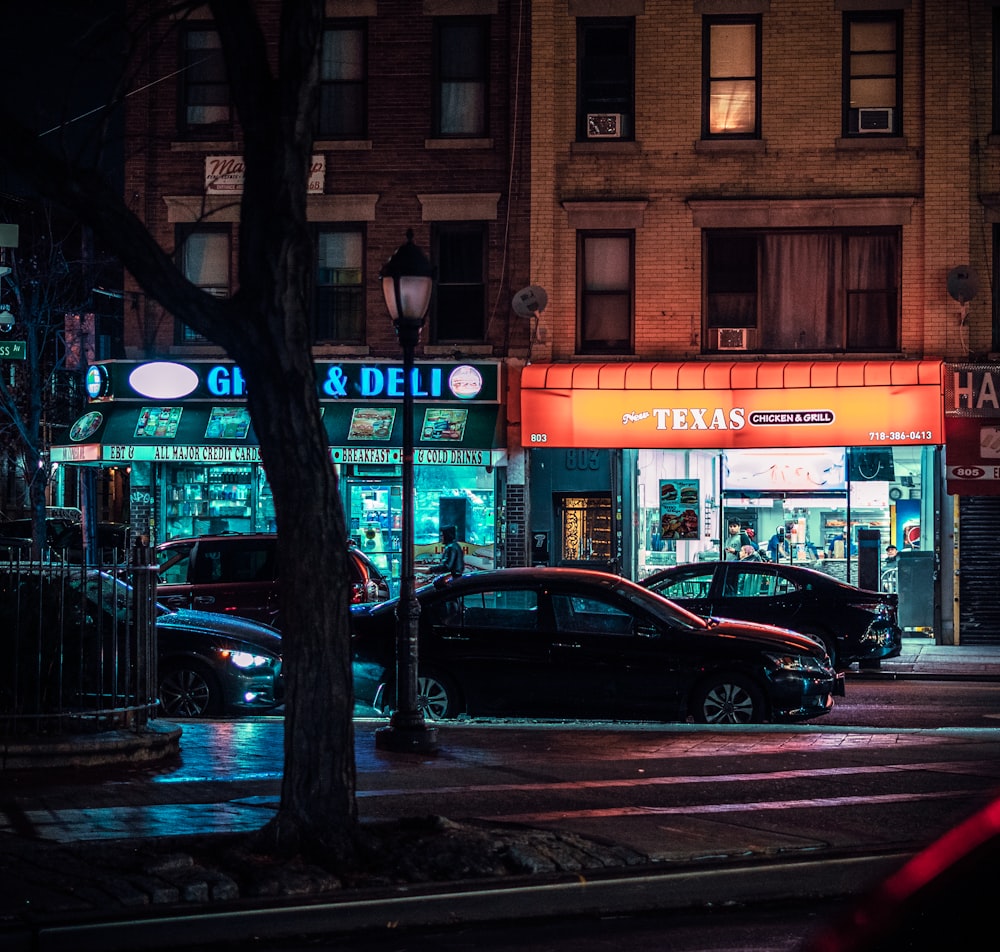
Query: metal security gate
x: 978, y: 605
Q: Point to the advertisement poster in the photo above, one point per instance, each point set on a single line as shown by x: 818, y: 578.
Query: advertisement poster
x: 158, y: 422
x: 228, y: 423
x: 680, y: 503
x: 444, y: 425
x: 371, y: 423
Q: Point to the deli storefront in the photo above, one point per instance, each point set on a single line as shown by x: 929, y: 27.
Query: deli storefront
x: 182, y: 432
x: 828, y: 461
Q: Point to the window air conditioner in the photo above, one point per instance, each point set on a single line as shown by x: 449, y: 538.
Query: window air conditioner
x: 604, y: 125
x: 875, y: 120
x: 731, y: 338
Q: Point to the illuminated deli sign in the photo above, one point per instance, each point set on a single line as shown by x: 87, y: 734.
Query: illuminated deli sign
x: 343, y: 381
x: 972, y: 428
x: 841, y: 404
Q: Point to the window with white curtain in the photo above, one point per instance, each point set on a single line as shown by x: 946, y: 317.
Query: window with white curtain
x: 819, y: 291
x: 605, y: 263
x: 731, y: 77
x: 461, y: 74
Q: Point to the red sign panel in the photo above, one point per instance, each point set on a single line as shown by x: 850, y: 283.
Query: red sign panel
x: 972, y: 429
x: 875, y: 410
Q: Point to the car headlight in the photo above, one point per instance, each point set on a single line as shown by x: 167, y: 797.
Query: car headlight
x: 792, y: 662
x: 244, y: 659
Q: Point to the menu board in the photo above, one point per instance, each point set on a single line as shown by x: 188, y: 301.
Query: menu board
x: 158, y: 422
x: 228, y: 423
x: 445, y: 425
x: 371, y: 423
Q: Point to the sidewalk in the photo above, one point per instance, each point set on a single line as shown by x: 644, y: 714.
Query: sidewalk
x: 113, y: 893
x: 921, y: 658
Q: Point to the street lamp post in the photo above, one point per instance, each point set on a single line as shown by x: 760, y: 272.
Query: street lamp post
x: 407, y: 278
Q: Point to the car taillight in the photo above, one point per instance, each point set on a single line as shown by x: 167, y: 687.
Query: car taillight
x: 881, y: 610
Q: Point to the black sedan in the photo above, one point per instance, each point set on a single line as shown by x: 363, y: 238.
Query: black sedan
x: 853, y: 623
x: 217, y: 664
x: 579, y: 643
x: 56, y: 615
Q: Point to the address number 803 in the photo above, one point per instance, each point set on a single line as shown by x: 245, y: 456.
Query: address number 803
x: 539, y: 437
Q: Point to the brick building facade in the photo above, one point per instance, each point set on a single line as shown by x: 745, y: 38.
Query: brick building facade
x: 423, y: 126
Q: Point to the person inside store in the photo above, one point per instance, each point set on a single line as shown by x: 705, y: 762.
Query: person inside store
x: 750, y: 553
x: 734, y: 541
x: 777, y: 547
x: 891, y: 553
x: 452, y: 558
x: 840, y: 537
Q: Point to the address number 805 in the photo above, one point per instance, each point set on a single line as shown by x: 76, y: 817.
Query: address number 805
x: 539, y: 437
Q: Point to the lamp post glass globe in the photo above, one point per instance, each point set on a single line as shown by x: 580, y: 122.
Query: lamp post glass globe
x: 407, y: 280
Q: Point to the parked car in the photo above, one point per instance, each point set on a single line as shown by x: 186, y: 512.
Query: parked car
x: 64, y: 538
x: 78, y: 621
x: 237, y: 574
x: 209, y: 663
x: 853, y: 623
x: 581, y: 643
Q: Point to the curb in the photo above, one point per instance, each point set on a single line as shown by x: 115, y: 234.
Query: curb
x: 608, y: 893
x: 154, y: 742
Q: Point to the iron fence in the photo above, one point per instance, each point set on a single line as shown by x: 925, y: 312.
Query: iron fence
x: 80, y: 643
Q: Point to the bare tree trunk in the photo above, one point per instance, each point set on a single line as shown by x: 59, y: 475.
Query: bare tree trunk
x: 318, y: 807
x: 264, y: 327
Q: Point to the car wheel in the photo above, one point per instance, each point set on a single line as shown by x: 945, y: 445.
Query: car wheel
x: 437, y: 696
x: 830, y: 643
x: 727, y: 699
x: 189, y: 690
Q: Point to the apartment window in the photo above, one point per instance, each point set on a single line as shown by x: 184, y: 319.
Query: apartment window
x: 873, y: 74
x: 204, y: 87
x: 340, y: 301
x: 343, y: 82
x: 205, y: 261
x: 459, y: 307
x: 802, y: 291
x: 606, y: 277
x: 731, y: 77
x: 605, y: 82
x: 462, y: 70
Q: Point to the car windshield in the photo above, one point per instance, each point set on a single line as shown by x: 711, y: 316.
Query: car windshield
x: 660, y: 606
x: 114, y: 596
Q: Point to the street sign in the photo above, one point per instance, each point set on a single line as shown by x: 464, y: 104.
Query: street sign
x: 13, y: 350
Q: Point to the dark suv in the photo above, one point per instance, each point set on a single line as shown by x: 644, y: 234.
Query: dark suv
x: 238, y: 574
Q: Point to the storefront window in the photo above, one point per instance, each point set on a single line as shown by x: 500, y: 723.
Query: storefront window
x: 815, y: 507
x: 459, y: 496
x: 205, y: 500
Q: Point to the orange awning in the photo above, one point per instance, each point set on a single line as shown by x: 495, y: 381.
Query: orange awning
x: 701, y: 404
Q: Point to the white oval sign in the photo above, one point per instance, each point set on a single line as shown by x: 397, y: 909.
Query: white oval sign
x: 163, y: 380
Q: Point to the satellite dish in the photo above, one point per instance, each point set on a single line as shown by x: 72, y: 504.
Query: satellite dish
x: 963, y: 283
x: 530, y: 300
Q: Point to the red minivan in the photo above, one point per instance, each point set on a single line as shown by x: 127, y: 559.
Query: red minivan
x: 237, y: 574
